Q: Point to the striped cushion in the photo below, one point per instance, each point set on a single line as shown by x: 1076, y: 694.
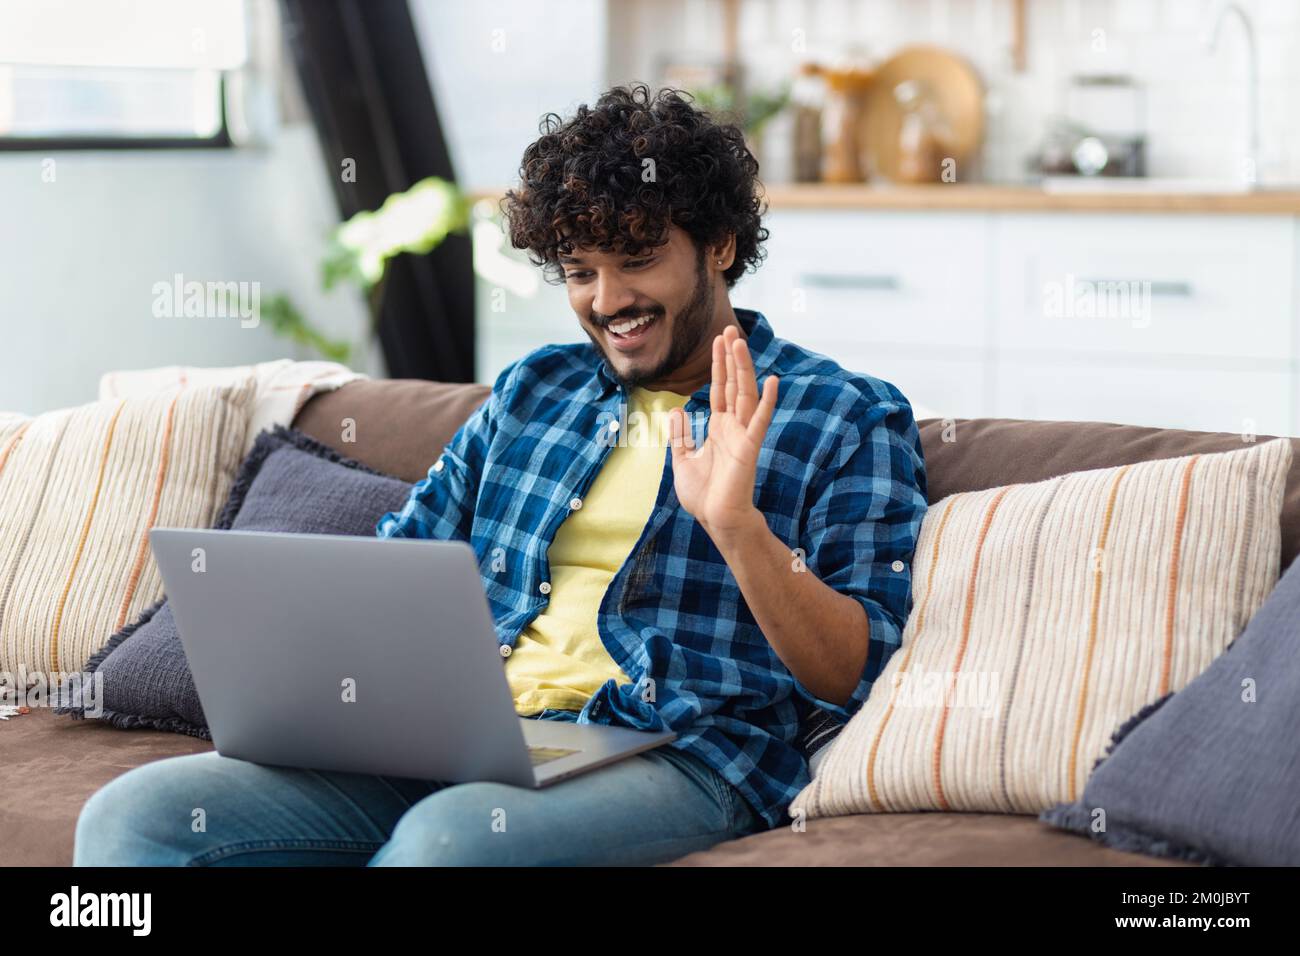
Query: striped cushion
x: 1044, y: 616
x: 79, y: 490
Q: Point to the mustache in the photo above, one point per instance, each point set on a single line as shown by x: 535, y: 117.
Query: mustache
x: 604, y: 321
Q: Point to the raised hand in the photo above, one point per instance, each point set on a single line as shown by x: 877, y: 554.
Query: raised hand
x: 715, y: 482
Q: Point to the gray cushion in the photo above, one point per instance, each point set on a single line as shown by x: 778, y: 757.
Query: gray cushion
x: 1205, y: 774
x: 288, y: 482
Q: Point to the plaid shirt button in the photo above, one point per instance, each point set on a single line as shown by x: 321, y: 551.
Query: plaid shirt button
x: 544, y: 587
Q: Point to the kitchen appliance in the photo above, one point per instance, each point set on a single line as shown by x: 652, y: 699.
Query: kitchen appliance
x: 1101, y: 131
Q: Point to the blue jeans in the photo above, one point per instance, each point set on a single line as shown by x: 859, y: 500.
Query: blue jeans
x: 209, y: 810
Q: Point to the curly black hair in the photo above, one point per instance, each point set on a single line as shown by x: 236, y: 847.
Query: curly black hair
x: 587, y: 181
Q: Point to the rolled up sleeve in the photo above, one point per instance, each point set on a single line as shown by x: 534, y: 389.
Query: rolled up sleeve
x: 861, y: 528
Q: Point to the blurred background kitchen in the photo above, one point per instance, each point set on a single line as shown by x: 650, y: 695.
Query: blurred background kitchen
x: 1059, y: 209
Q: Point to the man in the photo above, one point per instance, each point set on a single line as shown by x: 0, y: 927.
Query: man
x: 687, y: 524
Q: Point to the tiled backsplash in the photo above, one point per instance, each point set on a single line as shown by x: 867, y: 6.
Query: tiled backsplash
x: 1195, y: 101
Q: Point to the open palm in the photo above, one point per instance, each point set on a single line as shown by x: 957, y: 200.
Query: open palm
x: 715, y: 482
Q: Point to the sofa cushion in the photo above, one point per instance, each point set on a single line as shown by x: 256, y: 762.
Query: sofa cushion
x: 79, y: 490
x: 403, y: 430
x: 44, y: 796
x: 1045, y: 615
x: 972, y: 454
x: 51, y: 766
x: 396, y: 426
x: 1210, y: 774
x: 289, y: 482
x: 917, y: 839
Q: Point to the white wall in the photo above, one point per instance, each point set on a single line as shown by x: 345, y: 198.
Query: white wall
x: 79, y: 257
x: 497, y: 66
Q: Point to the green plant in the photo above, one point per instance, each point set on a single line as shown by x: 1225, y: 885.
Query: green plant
x: 287, y: 322
x: 358, y: 250
x: 752, y: 114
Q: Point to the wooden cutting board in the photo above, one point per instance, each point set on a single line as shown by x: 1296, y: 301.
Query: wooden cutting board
x: 955, y: 88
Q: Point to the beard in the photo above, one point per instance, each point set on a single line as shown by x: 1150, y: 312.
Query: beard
x: 690, y: 331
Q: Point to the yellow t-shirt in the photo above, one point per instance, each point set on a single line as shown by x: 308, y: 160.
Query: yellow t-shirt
x: 559, y: 660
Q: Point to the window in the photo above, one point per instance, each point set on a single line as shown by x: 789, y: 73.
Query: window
x: 117, y: 73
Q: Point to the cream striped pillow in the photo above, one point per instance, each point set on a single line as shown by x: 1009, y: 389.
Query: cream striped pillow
x: 79, y: 490
x: 1046, y: 614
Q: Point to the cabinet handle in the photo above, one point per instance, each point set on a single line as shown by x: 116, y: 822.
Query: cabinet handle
x: 1180, y: 289
x: 830, y: 280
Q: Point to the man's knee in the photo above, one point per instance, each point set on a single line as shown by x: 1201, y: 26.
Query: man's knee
x: 463, y: 825
x: 132, y: 820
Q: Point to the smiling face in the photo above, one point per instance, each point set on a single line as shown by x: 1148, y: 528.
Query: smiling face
x: 651, y: 316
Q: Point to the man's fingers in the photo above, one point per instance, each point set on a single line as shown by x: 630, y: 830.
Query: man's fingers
x: 746, y: 384
x: 675, y: 435
x: 717, y: 391
x: 679, y: 433
x: 729, y: 337
x: 757, y: 427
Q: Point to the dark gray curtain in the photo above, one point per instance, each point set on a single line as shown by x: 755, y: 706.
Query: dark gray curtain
x: 365, y: 83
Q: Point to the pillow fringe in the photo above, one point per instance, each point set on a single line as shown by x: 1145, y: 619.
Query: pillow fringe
x: 177, y: 725
x: 77, y: 710
x: 1129, y: 726
x: 273, y: 439
x: 1077, y: 819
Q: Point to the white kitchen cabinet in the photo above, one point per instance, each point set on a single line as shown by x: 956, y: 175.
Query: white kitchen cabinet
x: 1159, y: 285
x: 898, y: 296
x: 1206, y: 399
x: 844, y: 278
x: 936, y: 387
x: 938, y: 383
x: 974, y: 314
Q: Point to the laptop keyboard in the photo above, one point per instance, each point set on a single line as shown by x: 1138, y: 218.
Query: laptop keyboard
x: 540, y: 755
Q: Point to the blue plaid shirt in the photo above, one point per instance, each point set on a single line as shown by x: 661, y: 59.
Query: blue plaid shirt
x: 841, y: 480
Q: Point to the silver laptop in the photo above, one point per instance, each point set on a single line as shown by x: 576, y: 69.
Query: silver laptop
x: 363, y: 654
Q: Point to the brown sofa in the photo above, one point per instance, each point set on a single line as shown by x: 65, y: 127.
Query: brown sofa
x: 49, y: 765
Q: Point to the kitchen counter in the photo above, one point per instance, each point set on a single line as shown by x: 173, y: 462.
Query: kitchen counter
x: 1007, y: 198
x: 959, y: 196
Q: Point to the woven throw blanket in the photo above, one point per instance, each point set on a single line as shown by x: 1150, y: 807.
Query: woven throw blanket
x: 283, y: 386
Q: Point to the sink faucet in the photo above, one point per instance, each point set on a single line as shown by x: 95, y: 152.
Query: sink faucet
x: 1249, y: 170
